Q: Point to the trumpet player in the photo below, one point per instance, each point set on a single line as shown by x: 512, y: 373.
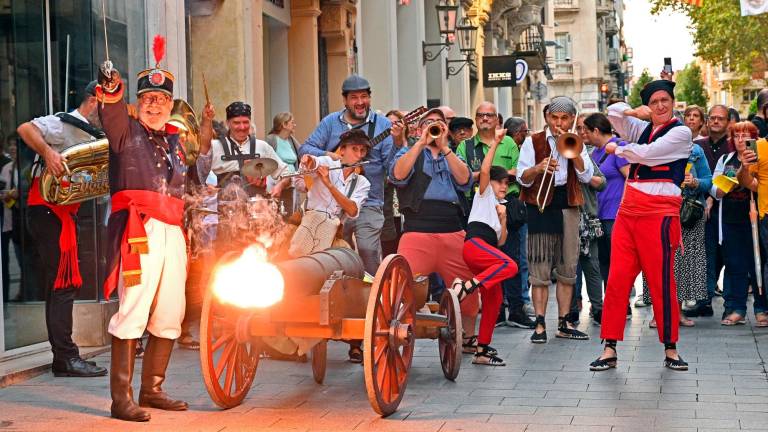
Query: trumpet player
x: 339, y: 195
x: 647, y: 229
x: 53, y: 228
x: 550, y: 171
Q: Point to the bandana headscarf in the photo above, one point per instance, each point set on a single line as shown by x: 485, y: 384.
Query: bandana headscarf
x: 238, y: 109
x: 562, y: 104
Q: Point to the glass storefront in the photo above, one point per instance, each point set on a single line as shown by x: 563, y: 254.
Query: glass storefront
x: 49, y: 51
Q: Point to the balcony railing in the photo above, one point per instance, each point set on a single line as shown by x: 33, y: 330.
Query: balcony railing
x: 563, y: 69
x: 614, y: 57
x: 531, y: 48
x: 611, y: 27
x: 566, y: 4
x: 604, y: 7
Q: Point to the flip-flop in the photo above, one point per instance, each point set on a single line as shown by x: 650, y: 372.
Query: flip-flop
x: 761, y: 320
x: 189, y: 343
x: 731, y: 321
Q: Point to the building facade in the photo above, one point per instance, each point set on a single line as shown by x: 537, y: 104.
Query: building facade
x: 727, y: 87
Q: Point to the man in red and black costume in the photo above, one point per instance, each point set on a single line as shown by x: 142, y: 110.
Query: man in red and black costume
x: 647, y: 229
x: 147, y: 254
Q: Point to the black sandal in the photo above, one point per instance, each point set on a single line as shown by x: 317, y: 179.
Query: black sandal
x: 677, y: 364
x: 485, y: 357
x: 355, y: 354
x: 563, y: 331
x: 600, y: 365
x: 539, y: 338
x: 462, y: 291
x: 469, y: 345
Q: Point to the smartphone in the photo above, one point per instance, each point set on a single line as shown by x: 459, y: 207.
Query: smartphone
x: 668, y: 65
x: 752, y: 145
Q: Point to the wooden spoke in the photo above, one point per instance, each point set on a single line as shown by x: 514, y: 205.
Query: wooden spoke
x: 221, y: 341
x: 449, y: 339
x: 224, y: 359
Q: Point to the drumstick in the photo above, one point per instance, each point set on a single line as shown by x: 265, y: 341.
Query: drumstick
x: 205, y: 90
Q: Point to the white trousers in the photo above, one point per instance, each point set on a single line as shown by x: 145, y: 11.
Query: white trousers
x: 157, y: 304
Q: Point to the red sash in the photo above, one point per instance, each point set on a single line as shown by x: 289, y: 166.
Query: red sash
x: 140, y: 204
x: 639, y: 203
x: 68, y: 274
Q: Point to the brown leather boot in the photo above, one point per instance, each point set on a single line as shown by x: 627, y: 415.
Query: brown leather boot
x: 156, y: 357
x: 120, y: 377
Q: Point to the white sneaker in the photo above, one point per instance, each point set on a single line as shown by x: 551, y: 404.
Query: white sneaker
x: 639, y: 303
x: 528, y: 308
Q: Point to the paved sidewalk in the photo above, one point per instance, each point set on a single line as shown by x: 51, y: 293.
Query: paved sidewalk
x: 543, y: 388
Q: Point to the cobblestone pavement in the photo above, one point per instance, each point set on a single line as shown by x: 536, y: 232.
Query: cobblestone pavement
x: 543, y: 388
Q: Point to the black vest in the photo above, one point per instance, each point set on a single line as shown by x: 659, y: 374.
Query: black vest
x: 673, y: 172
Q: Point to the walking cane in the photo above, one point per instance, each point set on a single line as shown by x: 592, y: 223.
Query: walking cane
x: 755, y: 243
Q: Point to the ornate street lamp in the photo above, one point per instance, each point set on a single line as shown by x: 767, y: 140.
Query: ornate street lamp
x: 466, y: 32
x: 447, y: 10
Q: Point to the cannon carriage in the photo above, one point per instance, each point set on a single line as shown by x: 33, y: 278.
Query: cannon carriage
x: 327, y: 297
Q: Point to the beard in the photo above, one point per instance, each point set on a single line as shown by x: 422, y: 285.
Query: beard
x: 354, y: 115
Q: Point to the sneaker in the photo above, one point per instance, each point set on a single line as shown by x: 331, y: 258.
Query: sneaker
x: 500, y: 321
x: 520, y: 319
x: 528, y: 308
x: 539, y: 338
x: 718, y: 291
x: 639, y: 303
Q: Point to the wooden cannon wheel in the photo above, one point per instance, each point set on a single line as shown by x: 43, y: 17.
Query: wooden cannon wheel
x: 228, y: 355
x: 388, y: 339
x: 319, y: 358
x: 449, y: 337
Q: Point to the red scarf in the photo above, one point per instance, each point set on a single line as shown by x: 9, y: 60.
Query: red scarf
x: 141, y: 204
x: 68, y: 274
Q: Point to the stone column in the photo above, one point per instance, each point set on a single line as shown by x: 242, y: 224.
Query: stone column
x: 168, y: 20
x: 412, y: 89
x: 304, y: 65
x: 337, y: 23
x: 377, y: 52
x: 220, y: 58
x: 479, y: 14
x: 254, y: 65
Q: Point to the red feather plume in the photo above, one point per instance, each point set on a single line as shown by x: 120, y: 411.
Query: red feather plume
x: 158, y: 48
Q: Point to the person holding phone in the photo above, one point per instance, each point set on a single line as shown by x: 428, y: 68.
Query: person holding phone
x: 647, y: 229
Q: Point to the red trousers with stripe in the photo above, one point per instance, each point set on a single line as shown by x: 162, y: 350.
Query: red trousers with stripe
x: 643, y: 243
x: 490, y: 267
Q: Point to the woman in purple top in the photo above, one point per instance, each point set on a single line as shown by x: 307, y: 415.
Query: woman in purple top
x: 598, y: 131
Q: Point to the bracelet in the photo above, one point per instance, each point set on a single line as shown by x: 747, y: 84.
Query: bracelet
x: 449, y: 152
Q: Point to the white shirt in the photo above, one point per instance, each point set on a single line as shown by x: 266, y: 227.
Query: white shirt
x: 319, y: 198
x: 528, y: 160
x: 675, y: 144
x: 59, y: 135
x: 213, y: 162
x: 7, y: 173
x: 484, y: 210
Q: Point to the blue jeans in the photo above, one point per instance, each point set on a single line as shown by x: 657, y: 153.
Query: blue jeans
x: 714, y: 257
x: 522, y: 264
x: 740, y: 268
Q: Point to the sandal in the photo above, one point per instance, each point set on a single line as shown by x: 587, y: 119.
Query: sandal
x: 469, y: 345
x: 675, y: 364
x: 565, y: 332
x: 733, y: 319
x: 460, y: 289
x: 685, y: 322
x: 355, y: 354
x: 484, y: 357
x: 761, y: 319
x: 600, y: 365
x: 189, y: 343
x: 652, y: 323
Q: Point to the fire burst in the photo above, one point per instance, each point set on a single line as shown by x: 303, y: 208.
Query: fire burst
x: 230, y: 282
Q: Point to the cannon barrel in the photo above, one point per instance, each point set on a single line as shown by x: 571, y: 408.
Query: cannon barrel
x: 305, y: 276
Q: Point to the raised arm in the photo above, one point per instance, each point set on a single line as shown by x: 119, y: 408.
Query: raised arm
x: 485, y: 168
x: 113, y: 110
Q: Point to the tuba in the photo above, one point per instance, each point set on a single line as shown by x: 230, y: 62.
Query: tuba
x: 184, y: 118
x: 86, y: 174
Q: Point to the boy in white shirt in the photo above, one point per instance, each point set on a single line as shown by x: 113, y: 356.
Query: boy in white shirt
x: 333, y: 195
x: 486, y: 230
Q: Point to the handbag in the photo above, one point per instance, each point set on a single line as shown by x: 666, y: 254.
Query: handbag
x: 690, y: 212
x: 517, y: 213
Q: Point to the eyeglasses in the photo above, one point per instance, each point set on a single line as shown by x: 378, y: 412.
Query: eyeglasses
x: 155, y: 99
x: 742, y: 136
x: 525, y: 131
x: 486, y: 115
x: 718, y: 118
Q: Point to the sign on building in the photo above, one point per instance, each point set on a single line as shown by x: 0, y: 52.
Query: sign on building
x: 499, y: 71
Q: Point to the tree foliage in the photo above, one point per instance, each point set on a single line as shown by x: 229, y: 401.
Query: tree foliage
x: 721, y: 34
x: 690, y: 87
x: 634, y: 96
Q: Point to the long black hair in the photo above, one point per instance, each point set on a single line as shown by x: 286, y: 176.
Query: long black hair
x: 598, y: 121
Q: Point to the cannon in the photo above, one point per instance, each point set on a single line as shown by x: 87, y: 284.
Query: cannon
x: 327, y: 296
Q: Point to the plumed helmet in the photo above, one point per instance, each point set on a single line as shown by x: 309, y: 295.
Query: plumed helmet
x: 355, y: 83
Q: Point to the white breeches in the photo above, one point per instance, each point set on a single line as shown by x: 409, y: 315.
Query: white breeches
x: 157, y: 304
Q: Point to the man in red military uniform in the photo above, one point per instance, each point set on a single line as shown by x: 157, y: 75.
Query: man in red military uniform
x: 147, y: 250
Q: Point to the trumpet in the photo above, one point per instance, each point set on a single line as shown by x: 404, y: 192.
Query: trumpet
x: 435, y: 130
x: 568, y: 145
x: 304, y: 172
